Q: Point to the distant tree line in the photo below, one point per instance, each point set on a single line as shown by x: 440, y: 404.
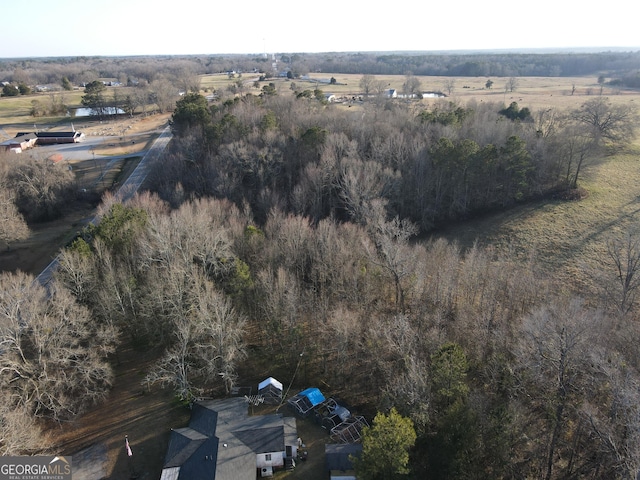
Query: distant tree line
x: 480, y: 63
x: 147, y: 69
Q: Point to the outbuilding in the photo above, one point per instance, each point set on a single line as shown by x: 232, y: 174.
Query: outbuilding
x: 20, y: 143
x: 338, y: 460
x: 271, y: 391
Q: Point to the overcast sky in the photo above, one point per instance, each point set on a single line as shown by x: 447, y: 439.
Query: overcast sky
x: 41, y: 28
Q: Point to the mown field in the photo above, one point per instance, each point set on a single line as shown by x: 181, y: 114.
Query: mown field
x: 569, y: 238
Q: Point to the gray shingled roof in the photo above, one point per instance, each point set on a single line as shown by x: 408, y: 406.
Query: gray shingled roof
x: 222, y: 440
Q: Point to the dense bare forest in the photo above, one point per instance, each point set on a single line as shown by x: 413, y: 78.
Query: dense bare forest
x: 279, y: 225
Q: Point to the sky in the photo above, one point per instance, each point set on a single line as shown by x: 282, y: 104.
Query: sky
x: 143, y: 27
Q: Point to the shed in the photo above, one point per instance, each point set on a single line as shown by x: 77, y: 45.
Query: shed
x: 338, y: 460
x: 304, y: 402
x: 271, y: 391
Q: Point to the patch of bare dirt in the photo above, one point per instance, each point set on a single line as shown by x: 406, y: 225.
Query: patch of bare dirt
x: 45, y: 240
x: 96, y: 440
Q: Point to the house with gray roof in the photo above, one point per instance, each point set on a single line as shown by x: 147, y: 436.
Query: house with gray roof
x: 223, y: 442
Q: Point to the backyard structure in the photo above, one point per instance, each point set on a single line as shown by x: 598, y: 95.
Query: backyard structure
x: 343, y: 426
x: 304, y: 402
x: 223, y: 442
x: 338, y: 460
x: 349, y: 431
x: 271, y: 391
x: 330, y: 413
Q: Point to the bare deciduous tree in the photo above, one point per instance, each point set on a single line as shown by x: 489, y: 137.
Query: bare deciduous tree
x: 411, y: 86
x: 12, y: 224
x: 20, y: 431
x: 207, y: 335
x: 556, y: 345
x: 366, y: 84
x: 360, y: 183
x: 393, y: 252
x: 606, y: 121
x: 41, y: 188
x: 53, y: 357
x: 449, y: 86
x: 281, y: 310
x: 163, y: 94
x: 624, y: 256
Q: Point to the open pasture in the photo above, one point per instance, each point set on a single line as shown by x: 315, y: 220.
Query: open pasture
x: 532, y: 92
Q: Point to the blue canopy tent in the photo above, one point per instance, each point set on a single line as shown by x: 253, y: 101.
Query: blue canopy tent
x: 306, y: 400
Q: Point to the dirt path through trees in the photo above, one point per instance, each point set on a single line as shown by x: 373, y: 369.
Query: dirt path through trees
x: 145, y: 415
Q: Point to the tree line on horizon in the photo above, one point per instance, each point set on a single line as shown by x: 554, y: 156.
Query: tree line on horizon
x: 621, y: 66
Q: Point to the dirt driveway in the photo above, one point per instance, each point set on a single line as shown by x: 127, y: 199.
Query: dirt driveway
x: 96, y: 439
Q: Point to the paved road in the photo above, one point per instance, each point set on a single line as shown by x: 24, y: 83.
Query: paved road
x: 81, y: 150
x: 126, y: 191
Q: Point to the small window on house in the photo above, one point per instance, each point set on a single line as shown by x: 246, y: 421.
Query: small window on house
x: 267, y: 457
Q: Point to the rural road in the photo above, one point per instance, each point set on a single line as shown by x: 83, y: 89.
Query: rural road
x: 126, y: 191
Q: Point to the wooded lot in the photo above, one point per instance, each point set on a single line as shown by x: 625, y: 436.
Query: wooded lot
x: 278, y: 224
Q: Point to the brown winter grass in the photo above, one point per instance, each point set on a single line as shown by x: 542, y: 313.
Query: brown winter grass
x: 17, y: 109
x: 568, y: 237
x: 533, y: 92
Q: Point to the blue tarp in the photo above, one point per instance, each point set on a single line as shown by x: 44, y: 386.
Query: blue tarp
x: 314, y: 395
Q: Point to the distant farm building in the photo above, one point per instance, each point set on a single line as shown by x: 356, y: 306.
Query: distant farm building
x: 20, y: 143
x: 25, y: 140
x: 48, y: 138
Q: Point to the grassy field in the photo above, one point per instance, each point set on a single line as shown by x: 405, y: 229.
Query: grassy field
x: 16, y: 110
x: 569, y: 238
